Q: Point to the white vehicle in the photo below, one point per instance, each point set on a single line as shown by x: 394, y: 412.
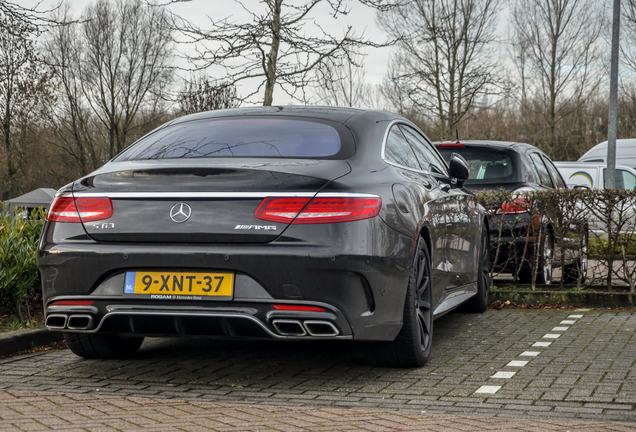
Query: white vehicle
x: 592, y: 174
x: 625, y: 153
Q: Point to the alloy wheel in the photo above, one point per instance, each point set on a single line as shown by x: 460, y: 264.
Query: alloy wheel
x: 423, y: 301
x: 548, y: 250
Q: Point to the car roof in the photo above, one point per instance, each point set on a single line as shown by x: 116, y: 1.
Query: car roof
x: 624, y: 148
x: 336, y: 114
x: 492, y: 144
x: 518, y: 147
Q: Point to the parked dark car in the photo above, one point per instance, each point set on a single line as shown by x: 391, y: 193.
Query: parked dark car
x: 520, y: 168
x: 271, y: 222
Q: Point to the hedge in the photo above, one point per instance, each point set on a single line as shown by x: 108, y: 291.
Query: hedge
x: 19, y: 278
x: 607, y: 217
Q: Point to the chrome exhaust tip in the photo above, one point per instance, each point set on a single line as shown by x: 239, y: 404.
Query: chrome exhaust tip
x: 79, y: 322
x: 321, y: 328
x: 289, y: 327
x: 56, y: 321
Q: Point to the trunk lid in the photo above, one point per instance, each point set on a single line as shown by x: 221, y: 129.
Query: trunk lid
x: 192, y: 202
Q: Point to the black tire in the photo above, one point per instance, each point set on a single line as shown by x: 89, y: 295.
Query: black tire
x: 412, y: 346
x: 544, y: 272
x: 571, y: 272
x: 102, y: 346
x: 479, y: 302
x: 525, y: 276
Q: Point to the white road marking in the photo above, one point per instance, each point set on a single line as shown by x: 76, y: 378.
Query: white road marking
x: 518, y: 363
x: 505, y: 375
x: 542, y: 344
x: 581, y: 310
x: 522, y: 363
x: 551, y: 336
x: 488, y: 389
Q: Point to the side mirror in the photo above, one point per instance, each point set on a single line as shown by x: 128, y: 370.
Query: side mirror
x: 458, y: 169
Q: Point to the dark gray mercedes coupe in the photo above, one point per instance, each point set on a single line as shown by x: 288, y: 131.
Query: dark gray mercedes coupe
x: 268, y: 222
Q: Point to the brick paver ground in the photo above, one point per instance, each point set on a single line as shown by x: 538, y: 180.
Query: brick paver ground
x: 587, y: 374
x: 22, y: 411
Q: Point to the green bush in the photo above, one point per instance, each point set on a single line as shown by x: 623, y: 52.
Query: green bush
x: 19, y: 279
x: 600, y: 246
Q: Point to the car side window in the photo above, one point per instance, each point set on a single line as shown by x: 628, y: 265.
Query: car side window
x: 554, y: 172
x: 629, y: 180
x: 531, y: 174
x: 622, y: 180
x: 542, y: 171
x: 399, y: 151
x: 428, y: 157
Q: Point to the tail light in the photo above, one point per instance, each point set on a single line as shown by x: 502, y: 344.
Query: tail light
x: 77, y: 210
x: 299, y: 308
x: 318, y: 210
x: 519, y: 203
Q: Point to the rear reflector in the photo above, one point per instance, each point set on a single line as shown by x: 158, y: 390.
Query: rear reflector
x: 318, y: 210
x: 299, y: 308
x: 449, y: 145
x: 73, y: 303
x: 85, y: 209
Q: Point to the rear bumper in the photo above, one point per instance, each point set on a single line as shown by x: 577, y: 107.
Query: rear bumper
x: 248, y: 321
x: 360, y: 282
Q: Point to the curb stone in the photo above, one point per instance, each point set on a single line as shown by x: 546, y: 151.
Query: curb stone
x: 20, y: 340
x: 567, y: 298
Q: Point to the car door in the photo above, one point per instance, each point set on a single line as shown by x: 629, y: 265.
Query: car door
x: 459, y: 228
x: 399, y: 152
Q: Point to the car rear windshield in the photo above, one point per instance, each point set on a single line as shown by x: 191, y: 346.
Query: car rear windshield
x: 488, y: 165
x: 255, y: 137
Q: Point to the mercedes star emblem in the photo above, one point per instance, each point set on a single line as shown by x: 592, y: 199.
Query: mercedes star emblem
x: 180, y: 213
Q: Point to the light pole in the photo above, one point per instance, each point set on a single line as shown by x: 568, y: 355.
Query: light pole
x: 613, y: 101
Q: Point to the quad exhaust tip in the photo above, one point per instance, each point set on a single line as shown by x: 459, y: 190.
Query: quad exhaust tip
x: 315, y: 328
x: 56, y: 321
x: 79, y: 322
x: 289, y: 327
x: 73, y: 322
x: 321, y: 328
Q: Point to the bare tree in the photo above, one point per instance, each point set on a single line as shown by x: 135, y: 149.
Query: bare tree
x: 445, y: 61
x: 627, y: 85
x: 628, y: 35
x: 15, y: 13
x: 72, y: 119
x: 24, y: 87
x: 558, y: 51
x: 202, y: 94
x: 114, y: 66
x: 280, y: 45
x: 343, y: 83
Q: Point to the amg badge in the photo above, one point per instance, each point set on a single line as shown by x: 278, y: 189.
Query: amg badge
x: 256, y: 227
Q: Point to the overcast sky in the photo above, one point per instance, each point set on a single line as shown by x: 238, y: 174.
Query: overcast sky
x: 200, y: 12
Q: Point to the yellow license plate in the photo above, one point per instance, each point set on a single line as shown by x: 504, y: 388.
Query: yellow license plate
x: 179, y: 283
